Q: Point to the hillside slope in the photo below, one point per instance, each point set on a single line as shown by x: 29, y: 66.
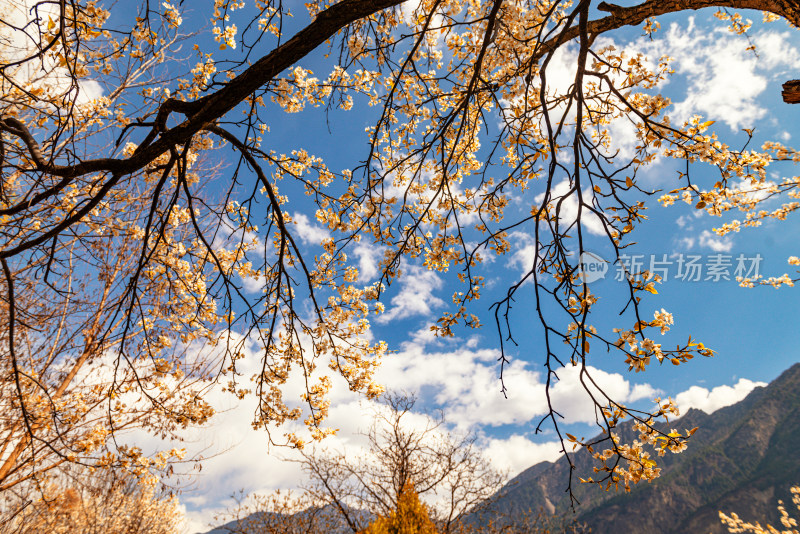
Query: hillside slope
x: 743, y: 459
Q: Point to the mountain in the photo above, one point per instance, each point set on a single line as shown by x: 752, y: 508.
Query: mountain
x: 325, y: 519
x: 743, y: 459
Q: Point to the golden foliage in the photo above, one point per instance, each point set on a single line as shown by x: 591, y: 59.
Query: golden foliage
x: 277, y: 513
x: 790, y: 524
x: 92, y: 502
x: 410, y: 517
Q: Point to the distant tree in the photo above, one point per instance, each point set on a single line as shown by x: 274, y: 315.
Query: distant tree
x: 526, y: 522
x: 736, y: 524
x: 410, y: 517
x: 404, y: 461
x: 89, y: 503
x: 277, y: 513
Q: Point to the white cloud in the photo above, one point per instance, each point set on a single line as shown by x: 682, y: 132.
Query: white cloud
x: 421, y: 338
x: 625, y: 139
x: 369, y: 256
x: 524, y: 251
x: 724, y: 78
x: 686, y: 242
x: 517, y: 453
x: 715, y: 243
x: 309, y: 233
x: 566, y: 200
x: 416, y: 295
x: 775, y: 51
x: 89, y: 90
x: 571, y: 400
x: 463, y: 382
x: 466, y: 381
x: 408, y: 9
x: 196, y: 521
x: 719, y: 397
x: 20, y: 38
x: 253, y: 284
x: 643, y: 391
x: 754, y: 191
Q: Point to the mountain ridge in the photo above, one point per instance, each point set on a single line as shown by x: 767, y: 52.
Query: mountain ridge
x: 743, y: 458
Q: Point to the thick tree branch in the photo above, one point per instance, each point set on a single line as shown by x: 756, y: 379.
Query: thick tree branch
x: 791, y: 92
x: 200, y: 113
x: 635, y: 15
x: 213, y: 106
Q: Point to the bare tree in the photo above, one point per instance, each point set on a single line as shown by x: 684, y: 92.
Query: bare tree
x: 90, y: 503
x: 449, y: 472
x: 277, y: 513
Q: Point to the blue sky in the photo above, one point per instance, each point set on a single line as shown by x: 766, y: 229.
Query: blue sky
x: 753, y: 331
